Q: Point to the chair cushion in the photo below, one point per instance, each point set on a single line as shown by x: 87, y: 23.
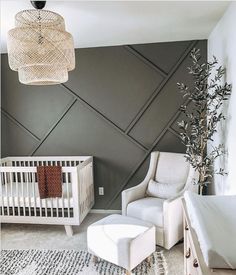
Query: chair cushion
x: 172, y: 168
x: 147, y: 209
x: 163, y: 190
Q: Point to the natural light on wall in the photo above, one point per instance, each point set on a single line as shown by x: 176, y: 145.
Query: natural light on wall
x: 39, y: 48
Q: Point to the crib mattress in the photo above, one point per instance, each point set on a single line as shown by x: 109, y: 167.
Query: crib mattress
x: 26, y: 198
x: 213, y: 219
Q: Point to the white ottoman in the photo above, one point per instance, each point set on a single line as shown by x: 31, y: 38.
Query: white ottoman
x: 121, y: 240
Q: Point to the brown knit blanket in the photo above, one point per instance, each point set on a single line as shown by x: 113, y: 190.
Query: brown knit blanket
x: 49, y: 181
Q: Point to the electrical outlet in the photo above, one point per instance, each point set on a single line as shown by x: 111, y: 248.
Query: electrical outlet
x: 101, y: 191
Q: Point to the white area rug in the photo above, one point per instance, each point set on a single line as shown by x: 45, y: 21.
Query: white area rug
x: 70, y: 262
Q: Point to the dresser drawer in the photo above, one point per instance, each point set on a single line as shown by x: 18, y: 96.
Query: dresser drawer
x: 191, y: 261
x: 194, y: 263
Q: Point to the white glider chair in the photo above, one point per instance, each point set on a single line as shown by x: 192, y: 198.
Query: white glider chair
x: 158, y: 198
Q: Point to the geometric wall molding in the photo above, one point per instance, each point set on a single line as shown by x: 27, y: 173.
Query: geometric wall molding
x: 119, y: 105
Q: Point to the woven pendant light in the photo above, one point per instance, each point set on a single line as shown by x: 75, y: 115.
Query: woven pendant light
x: 39, y: 48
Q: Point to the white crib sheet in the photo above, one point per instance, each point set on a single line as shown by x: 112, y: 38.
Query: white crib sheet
x: 214, y: 220
x: 18, y: 198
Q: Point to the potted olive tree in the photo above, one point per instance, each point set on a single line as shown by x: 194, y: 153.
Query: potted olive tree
x: 200, y: 124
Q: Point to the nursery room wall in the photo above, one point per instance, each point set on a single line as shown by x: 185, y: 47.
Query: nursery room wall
x: 119, y: 104
x: 222, y: 44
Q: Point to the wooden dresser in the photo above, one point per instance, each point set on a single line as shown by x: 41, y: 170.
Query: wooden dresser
x: 194, y: 263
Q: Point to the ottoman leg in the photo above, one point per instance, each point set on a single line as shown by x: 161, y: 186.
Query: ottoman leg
x: 149, y: 259
x: 95, y: 259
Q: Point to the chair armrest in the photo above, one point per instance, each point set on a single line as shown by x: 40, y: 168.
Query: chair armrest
x: 177, y: 196
x: 138, y: 191
x: 132, y: 194
x: 173, y: 220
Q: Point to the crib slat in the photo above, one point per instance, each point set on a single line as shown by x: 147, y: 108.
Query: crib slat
x: 67, y: 194
x: 46, y: 207
x: 38, y: 198
x: 6, y: 193
x: 34, y: 196
x: 17, y: 193
x: 12, y: 195
x: 1, y: 190
x: 40, y: 205
x: 82, y: 188
x: 46, y: 200
x: 49, y: 163
x: 57, y: 208
x: 62, y: 202
x: 51, y: 207
x: 22, y: 191
x: 28, y: 193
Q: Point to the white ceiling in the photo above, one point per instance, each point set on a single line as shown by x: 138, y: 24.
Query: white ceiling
x: 106, y: 23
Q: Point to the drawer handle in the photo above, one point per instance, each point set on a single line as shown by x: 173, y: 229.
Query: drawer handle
x: 195, y: 263
x: 188, y: 254
x: 186, y: 227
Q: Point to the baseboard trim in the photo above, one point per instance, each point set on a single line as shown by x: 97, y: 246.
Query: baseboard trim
x: 105, y: 211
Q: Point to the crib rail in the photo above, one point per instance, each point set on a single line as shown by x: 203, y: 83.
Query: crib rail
x: 43, y: 161
x: 20, y: 200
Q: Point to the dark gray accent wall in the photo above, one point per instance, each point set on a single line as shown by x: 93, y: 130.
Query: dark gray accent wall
x: 119, y: 105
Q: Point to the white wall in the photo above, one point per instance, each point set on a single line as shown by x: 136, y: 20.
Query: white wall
x: 222, y: 44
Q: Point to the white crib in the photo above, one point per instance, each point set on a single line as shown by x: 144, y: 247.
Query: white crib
x: 20, y: 201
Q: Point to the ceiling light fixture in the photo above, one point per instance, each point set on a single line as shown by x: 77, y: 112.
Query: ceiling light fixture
x: 39, y: 48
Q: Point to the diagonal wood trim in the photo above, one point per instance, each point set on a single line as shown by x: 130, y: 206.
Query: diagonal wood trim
x: 126, y: 181
x: 15, y: 121
x: 107, y: 120
x: 53, y: 127
x: 134, y: 164
x: 145, y: 60
x: 160, y: 87
x: 175, y: 133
